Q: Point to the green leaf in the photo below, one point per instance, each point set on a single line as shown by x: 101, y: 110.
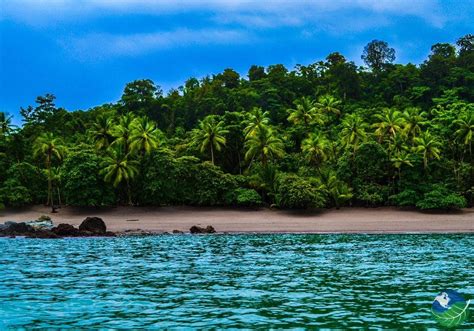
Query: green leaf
x: 454, y: 316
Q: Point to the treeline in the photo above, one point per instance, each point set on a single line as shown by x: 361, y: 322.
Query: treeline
x: 328, y: 134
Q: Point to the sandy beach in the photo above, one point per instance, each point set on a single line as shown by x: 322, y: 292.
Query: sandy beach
x: 346, y: 220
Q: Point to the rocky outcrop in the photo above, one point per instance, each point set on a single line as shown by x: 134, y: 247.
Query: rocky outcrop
x: 90, y: 227
x: 14, y: 228
x: 195, y: 229
x: 94, y: 225
x: 66, y: 230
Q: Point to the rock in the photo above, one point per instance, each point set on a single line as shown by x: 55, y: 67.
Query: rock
x: 44, y: 218
x: 16, y: 228
x: 177, y: 232
x: 95, y: 225
x: 66, y: 230
x: 41, y: 224
x: 43, y: 235
x: 198, y: 230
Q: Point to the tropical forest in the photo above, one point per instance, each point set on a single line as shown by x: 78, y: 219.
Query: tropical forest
x: 329, y: 134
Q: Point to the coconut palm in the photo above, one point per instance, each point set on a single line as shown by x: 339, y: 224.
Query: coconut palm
x: 465, y: 131
x: 263, y: 145
x: 5, y: 123
x: 101, y: 132
x: 389, y: 123
x: 119, y: 168
x: 315, y: 148
x: 209, y: 134
x: 48, y: 147
x: 401, y: 159
x: 329, y: 104
x: 336, y: 189
x: 144, y: 136
x: 397, y: 144
x: 414, y: 120
x: 353, y: 132
x: 428, y: 146
x: 122, y: 132
x: 305, y: 113
x: 256, y: 119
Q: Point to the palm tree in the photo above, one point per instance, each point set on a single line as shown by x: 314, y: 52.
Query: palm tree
x: 122, y: 132
x: 5, y: 123
x: 101, y: 132
x: 144, y: 136
x: 256, y: 119
x: 48, y: 147
x: 263, y: 145
x: 413, y: 121
x: 117, y: 168
x: 315, y: 148
x: 401, y: 159
x: 353, y: 131
x: 397, y: 143
x: 305, y: 113
x: 465, y: 132
x: 337, y: 190
x: 209, y: 134
x: 428, y: 146
x: 390, y: 122
x: 329, y: 104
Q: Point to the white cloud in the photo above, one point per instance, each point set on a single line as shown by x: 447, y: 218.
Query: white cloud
x: 98, y: 45
x: 258, y: 13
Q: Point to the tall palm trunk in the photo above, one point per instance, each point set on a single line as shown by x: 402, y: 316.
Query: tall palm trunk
x: 49, y: 201
x: 212, y: 153
x: 129, y: 194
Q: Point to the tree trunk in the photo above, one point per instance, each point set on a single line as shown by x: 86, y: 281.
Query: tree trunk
x: 129, y: 194
x: 212, y: 154
x: 49, y: 201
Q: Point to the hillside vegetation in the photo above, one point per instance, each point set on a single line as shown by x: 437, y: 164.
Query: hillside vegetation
x: 327, y: 134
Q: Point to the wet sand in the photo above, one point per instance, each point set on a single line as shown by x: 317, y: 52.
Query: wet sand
x: 345, y: 220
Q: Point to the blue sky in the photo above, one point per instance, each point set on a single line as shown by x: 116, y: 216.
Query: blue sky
x: 84, y: 52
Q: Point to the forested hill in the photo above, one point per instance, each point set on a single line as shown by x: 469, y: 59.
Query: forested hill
x: 326, y: 134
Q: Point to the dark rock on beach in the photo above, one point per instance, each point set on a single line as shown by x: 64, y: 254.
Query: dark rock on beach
x: 94, y: 225
x: 177, y: 232
x: 14, y: 228
x: 66, y: 230
x: 90, y: 227
x: 195, y: 229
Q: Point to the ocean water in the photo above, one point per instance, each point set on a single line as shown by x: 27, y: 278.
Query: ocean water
x: 232, y: 281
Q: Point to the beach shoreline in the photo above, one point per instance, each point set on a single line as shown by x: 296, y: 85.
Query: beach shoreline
x: 234, y: 221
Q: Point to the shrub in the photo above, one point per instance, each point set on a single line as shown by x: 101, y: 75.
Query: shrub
x: 83, y: 184
x: 441, y: 198
x: 14, y: 194
x: 28, y: 177
x: 247, y: 197
x: 372, y: 194
x: 407, y: 197
x: 185, y: 180
x: 298, y: 193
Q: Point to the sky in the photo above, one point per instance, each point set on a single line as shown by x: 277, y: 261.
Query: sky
x: 85, y: 51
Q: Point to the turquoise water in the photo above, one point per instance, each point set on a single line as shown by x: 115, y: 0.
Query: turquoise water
x: 239, y: 281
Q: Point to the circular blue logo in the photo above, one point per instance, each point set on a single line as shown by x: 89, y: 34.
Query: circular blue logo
x: 450, y: 309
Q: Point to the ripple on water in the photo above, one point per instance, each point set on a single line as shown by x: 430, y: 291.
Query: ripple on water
x: 241, y: 281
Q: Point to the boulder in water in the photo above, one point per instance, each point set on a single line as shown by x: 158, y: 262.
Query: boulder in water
x: 195, y: 229
x: 66, y: 230
x: 15, y: 228
x: 94, y: 225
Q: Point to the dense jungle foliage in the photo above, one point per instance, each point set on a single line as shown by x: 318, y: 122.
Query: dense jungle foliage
x: 328, y: 134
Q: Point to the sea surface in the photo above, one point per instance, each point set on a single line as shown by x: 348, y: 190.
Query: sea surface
x: 232, y: 281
